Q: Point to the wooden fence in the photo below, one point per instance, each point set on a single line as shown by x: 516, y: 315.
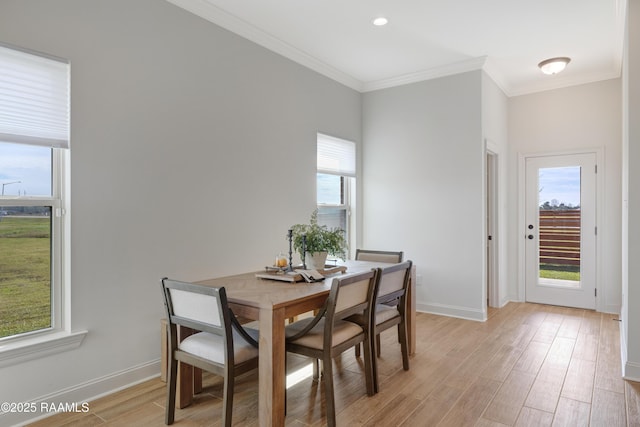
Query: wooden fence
x: 560, y: 237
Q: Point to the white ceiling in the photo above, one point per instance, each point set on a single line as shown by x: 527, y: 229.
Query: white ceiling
x: 427, y: 38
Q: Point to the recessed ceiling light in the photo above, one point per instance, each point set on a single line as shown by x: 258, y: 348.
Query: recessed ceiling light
x: 554, y: 65
x: 380, y: 21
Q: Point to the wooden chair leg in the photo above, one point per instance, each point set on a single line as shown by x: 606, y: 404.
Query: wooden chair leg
x: 374, y: 367
x: 378, y: 346
x: 357, y: 347
x: 404, y: 346
x: 370, y: 367
x: 227, y: 397
x: 197, y: 380
x: 172, y: 374
x: 327, y: 374
x: 316, y: 369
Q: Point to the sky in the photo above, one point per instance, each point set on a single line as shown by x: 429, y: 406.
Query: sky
x: 328, y: 190
x: 28, y: 164
x: 561, y: 184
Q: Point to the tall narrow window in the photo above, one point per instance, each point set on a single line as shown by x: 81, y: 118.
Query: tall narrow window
x: 34, y: 133
x: 336, y: 184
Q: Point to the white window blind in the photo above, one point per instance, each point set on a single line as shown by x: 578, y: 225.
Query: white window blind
x: 336, y: 156
x: 34, y: 99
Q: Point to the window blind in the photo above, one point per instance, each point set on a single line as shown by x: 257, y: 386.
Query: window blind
x: 34, y: 99
x: 336, y: 156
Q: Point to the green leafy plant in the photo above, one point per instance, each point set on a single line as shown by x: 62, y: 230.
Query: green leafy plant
x: 319, y: 238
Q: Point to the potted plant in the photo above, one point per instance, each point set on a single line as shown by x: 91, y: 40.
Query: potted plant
x: 320, y: 241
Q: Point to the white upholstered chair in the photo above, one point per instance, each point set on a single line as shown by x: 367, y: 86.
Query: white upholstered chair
x: 221, y: 346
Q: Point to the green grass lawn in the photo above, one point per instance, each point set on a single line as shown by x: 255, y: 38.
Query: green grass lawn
x: 559, y: 272
x: 25, y: 275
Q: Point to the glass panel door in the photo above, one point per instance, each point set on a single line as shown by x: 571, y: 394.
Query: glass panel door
x: 560, y: 235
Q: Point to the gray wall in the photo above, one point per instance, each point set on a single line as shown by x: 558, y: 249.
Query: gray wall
x: 192, y: 152
x: 423, y: 159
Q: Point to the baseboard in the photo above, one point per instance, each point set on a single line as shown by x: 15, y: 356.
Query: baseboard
x: 631, y: 371
x: 504, y: 302
x: 82, y: 393
x: 453, y: 311
x: 611, y: 309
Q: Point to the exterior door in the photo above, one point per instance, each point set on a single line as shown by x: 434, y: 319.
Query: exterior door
x: 560, y: 235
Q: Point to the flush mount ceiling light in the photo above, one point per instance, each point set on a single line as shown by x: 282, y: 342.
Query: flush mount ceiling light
x: 380, y: 21
x: 554, y: 65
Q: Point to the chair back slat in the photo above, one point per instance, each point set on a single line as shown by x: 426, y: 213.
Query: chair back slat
x: 394, y: 281
x: 196, y: 306
x: 379, y: 256
x: 391, y: 282
x: 352, y: 295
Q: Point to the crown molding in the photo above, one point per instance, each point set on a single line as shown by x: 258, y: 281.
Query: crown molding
x: 244, y: 29
x: 217, y: 16
x: 497, y: 76
x: 432, y: 73
x: 559, y: 83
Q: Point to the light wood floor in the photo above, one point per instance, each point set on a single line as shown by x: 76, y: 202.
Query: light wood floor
x: 528, y: 365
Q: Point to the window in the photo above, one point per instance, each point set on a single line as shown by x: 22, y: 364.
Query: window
x: 336, y: 184
x: 34, y: 137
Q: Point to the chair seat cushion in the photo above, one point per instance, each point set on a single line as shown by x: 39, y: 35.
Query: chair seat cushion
x: 342, y: 331
x: 385, y: 312
x: 211, y: 347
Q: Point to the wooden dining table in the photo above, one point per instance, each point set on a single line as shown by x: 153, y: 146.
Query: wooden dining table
x: 270, y: 302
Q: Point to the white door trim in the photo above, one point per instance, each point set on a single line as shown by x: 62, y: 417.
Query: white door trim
x: 493, y: 261
x: 600, y: 202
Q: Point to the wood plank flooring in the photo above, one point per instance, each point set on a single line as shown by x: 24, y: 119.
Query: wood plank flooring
x: 528, y: 365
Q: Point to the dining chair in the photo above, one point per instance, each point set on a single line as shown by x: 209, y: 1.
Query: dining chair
x: 378, y: 256
x: 326, y: 335
x: 221, y: 345
x: 390, y: 310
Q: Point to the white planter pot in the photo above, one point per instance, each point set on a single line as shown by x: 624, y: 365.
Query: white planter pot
x: 316, y: 260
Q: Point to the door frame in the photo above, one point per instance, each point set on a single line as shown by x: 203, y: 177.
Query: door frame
x: 521, y: 232
x: 493, y: 260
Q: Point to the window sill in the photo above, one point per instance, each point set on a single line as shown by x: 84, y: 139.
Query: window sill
x: 37, y: 347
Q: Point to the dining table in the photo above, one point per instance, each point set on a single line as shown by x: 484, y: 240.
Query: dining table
x: 271, y: 303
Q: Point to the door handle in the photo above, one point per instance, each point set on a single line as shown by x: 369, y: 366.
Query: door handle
x: 530, y: 237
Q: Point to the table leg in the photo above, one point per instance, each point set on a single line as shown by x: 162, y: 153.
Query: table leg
x: 272, y: 375
x: 184, y: 387
x: 164, y: 350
